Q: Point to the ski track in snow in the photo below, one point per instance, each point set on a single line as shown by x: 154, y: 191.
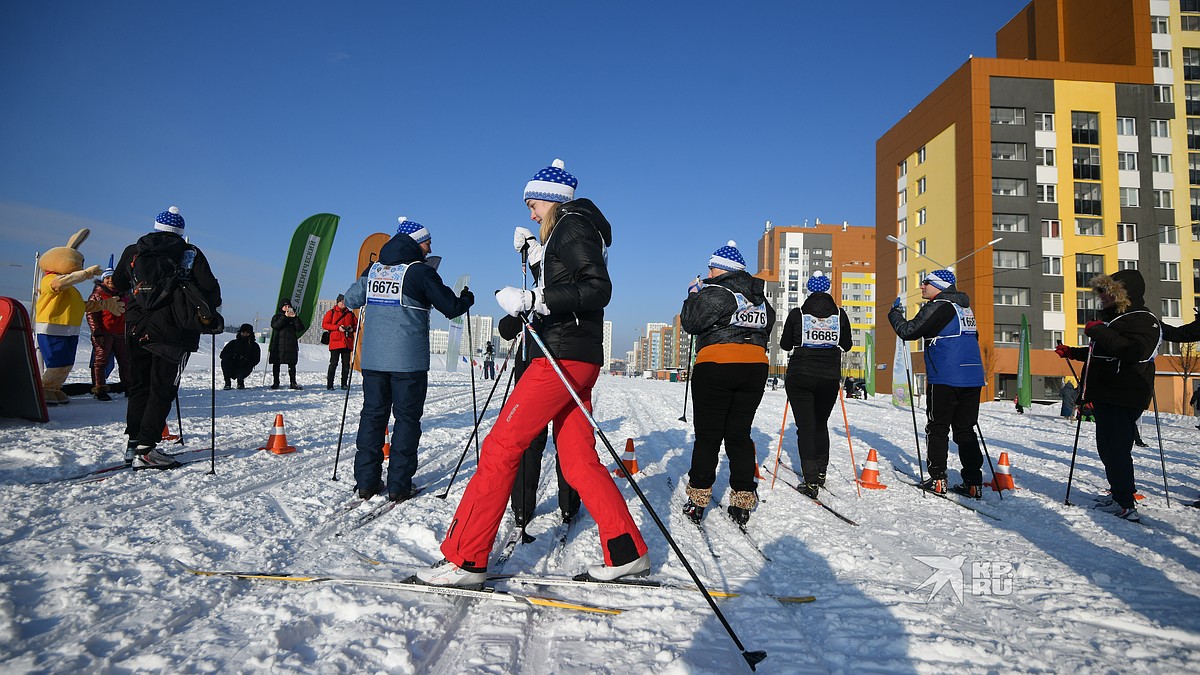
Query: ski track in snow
x: 88, y: 580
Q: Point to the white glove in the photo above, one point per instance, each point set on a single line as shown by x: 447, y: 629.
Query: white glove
x: 515, y: 301
x: 523, y: 240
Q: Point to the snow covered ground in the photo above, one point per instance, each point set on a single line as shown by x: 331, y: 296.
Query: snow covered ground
x: 89, y: 583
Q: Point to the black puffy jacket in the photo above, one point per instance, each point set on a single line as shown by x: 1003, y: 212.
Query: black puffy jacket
x: 708, y: 313
x: 823, y: 364
x: 575, y: 283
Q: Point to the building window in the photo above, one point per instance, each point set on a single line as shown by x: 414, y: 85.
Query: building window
x: 1162, y: 92
x: 1086, y: 267
x: 902, y: 284
x: 1052, y: 265
x: 1010, y: 222
x: 1126, y: 231
x: 922, y: 217
x: 1052, y: 229
x: 1160, y: 163
x: 1045, y: 156
x: 1052, y: 302
x: 1170, y: 308
x: 1009, y: 151
x: 1167, y: 234
x: 1043, y: 121
x: 1189, y: 23
x: 1085, y: 163
x: 1008, y: 116
x: 921, y: 185
x: 1160, y: 129
x: 1087, y: 199
x: 921, y: 155
x: 1089, y: 227
x: 1161, y: 58
x: 794, y: 254
x: 902, y: 225
x: 1010, y: 260
x: 902, y: 169
x: 1129, y: 197
x: 1163, y: 200
x: 1127, y: 264
x: 1127, y: 161
x: 1046, y: 193
x: 1085, y: 128
x: 902, y: 197
x: 1126, y: 126
x: 921, y: 247
x: 1168, y: 271
x: 1053, y: 338
x: 1010, y: 187
x: 1007, y: 333
x: 1010, y: 296
x: 1159, y: 25
x: 1189, y: 6
x: 1191, y: 63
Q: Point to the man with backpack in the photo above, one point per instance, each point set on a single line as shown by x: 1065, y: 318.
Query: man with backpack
x: 173, y: 294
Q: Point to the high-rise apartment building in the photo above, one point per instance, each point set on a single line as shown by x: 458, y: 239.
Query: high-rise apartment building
x: 1078, y: 146
x: 789, y: 255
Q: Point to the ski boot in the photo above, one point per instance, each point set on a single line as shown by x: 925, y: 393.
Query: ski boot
x: 966, y: 490
x: 741, y: 502
x: 935, y: 485
x: 698, y: 499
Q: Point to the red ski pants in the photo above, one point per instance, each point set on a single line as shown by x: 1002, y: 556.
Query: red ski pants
x: 540, y: 398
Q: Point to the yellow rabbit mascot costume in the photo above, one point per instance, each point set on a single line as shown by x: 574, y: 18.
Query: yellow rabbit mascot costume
x: 59, y: 312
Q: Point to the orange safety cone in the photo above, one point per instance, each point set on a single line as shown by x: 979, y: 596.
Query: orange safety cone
x: 757, y: 474
x: 277, y: 443
x: 870, y: 472
x: 167, y: 435
x: 628, y: 459
x: 387, y: 443
x: 1002, y: 479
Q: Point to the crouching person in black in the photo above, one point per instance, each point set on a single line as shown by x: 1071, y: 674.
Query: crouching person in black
x: 240, y: 356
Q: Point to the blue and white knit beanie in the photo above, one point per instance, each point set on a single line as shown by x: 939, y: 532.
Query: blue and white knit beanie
x: 818, y: 283
x: 552, y: 184
x: 940, y: 279
x: 413, y: 229
x: 728, y: 258
x: 110, y: 270
x: 169, y: 221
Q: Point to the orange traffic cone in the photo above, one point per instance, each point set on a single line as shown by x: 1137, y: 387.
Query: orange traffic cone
x: 1002, y: 479
x: 387, y: 443
x: 277, y: 443
x: 167, y: 435
x: 628, y: 459
x: 757, y: 475
x: 870, y: 472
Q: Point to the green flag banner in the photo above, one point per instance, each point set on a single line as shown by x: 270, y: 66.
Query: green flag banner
x: 1024, y: 376
x: 305, y: 266
x: 869, y: 375
x: 456, y: 330
x: 901, y: 394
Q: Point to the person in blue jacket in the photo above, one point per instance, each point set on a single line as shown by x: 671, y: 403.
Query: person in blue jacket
x: 398, y: 291
x: 954, y: 373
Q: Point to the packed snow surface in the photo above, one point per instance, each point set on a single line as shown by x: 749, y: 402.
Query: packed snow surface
x: 89, y: 580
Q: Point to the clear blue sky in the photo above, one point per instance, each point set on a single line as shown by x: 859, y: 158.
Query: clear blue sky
x: 687, y: 123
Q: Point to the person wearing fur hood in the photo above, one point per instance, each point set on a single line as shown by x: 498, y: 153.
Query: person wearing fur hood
x: 108, y: 335
x: 731, y: 319
x: 1118, y: 378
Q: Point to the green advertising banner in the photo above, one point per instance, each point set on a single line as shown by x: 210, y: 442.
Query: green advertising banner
x: 869, y: 375
x: 1024, y: 377
x: 305, y: 266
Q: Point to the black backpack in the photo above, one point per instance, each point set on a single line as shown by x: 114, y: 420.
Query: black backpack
x: 155, y: 277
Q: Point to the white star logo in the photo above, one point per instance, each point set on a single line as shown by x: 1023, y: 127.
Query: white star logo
x: 946, y: 570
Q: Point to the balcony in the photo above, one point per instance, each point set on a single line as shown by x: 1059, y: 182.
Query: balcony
x: 1085, y: 137
x: 1086, y: 171
x: 1088, y: 207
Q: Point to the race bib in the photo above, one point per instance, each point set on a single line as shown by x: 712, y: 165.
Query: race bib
x: 748, y: 315
x: 821, y: 333
x: 966, y: 321
x: 385, y: 284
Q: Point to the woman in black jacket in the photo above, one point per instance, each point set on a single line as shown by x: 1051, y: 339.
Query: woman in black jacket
x: 817, y: 333
x: 569, y: 302
x: 732, y: 321
x: 239, y: 357
x: 285, y: 342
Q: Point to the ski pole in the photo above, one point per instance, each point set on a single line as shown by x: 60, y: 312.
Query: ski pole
x: 212, y: 414
x: 688, y: 381
x: 913, y: 409
x: 178, y: 419
x: 752, y: 658
x: 853, y: 464
x: 989, y: 458
x: 362, y: 317
x: 1161, y: 457
x: 479, y: 418
x: 474, y: 399
x: 1082, y: 393
x: 779, y: 450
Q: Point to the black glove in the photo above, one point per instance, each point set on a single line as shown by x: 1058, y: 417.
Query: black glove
x: 467, y: 295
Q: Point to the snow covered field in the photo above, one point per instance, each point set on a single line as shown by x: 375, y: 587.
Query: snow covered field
x: 88, y: 581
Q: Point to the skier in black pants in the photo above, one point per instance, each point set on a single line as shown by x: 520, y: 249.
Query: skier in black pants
x: 817, y: 333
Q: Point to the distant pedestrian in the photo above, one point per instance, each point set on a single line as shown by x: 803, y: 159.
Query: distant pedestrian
x: 816, y: 334
x: 1067, y: 393
x: 108, y: 337
x: 731, y: 320
x: 240, y: 356
x: 1018, y: 406
x: 489, y: 362
x: 341, y: 324
x: 286, y: 329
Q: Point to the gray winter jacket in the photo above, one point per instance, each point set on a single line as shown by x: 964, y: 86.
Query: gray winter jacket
x: 715, y: 315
